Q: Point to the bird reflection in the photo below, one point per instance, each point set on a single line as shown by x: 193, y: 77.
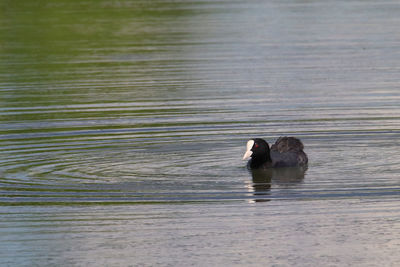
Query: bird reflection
x: 264, y: 179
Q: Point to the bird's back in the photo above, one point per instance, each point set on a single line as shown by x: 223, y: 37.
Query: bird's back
x: 287, y: 152
x: 287, y: 144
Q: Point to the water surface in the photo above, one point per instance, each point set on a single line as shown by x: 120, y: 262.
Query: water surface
x: 122, y: 126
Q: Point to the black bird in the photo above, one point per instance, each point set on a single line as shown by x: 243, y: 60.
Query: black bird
x: 286, y: 152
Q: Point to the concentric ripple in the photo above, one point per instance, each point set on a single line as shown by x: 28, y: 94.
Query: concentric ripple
x: 159, y: 155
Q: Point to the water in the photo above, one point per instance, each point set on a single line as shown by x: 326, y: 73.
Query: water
x: 122, y: 126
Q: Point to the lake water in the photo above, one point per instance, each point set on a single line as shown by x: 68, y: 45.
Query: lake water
x: 123, y: 125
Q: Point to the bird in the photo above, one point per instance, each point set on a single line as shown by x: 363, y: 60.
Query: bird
x: 286, y: 152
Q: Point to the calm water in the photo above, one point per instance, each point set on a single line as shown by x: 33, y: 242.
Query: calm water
x: 123, y: 124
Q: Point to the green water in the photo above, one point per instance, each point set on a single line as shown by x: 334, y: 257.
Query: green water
x: 123, y: 124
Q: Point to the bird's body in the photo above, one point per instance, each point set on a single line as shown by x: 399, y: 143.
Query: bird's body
x: 286, y: 152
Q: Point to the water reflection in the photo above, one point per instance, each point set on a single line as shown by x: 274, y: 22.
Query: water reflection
x: 263, y: 179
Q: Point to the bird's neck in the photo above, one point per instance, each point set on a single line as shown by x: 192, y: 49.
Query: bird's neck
x: 258, y: 162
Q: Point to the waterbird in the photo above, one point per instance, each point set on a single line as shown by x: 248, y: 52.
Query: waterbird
x: 286, y: 152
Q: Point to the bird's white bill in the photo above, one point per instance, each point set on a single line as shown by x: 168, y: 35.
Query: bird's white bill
x: 248, y: 153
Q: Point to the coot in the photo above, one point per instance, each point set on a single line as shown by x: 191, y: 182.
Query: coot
x: 286, y: 152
